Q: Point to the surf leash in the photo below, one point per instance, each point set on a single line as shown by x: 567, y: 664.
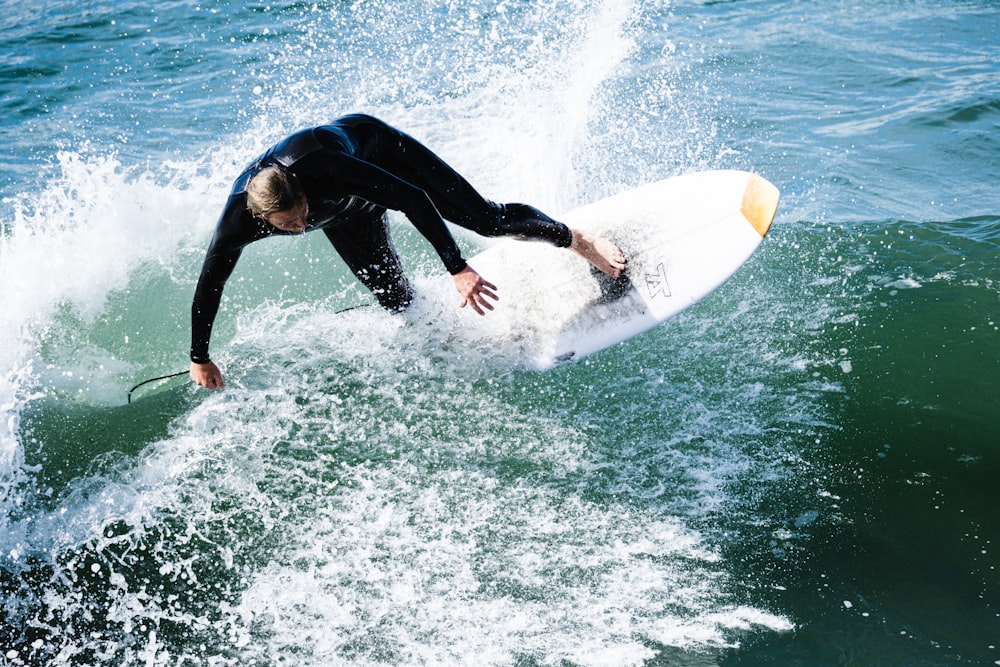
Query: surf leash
x: 145, y: 382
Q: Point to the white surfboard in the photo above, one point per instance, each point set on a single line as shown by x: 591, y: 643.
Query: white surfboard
x: 683, y: 237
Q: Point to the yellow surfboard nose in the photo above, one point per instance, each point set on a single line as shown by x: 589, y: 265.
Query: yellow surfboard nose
x: 760, y: 201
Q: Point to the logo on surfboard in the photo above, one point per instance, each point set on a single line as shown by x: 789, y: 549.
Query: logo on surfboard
x: 656, y: 283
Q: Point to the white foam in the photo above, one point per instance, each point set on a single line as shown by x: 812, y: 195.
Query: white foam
x: 371, y: 492
x: 392, y: 525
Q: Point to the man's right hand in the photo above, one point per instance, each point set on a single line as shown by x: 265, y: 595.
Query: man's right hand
x: 207, y: 375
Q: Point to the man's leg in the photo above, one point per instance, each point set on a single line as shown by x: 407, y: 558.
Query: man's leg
x: 367, y: 250
x: 457, y: 200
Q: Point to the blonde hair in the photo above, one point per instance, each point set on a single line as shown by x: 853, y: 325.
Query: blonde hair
x: 273, y: 189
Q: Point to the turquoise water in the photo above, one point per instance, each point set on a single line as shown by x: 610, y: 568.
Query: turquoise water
x: 797, y: 471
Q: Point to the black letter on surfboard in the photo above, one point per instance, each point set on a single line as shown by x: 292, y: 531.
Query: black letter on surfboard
x: 657, y: 283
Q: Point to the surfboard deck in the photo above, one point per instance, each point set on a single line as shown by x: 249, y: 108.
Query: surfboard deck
x: 683, y: 237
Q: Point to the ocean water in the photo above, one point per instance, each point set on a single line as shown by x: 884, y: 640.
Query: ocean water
x: 800, y: 470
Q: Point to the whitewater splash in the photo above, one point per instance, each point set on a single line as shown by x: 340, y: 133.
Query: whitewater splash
x: 338, y: 503
x: 69, y: 246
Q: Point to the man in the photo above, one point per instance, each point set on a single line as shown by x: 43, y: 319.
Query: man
x: 342, y: 178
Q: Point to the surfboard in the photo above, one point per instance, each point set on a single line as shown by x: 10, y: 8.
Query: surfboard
x: 683, y: 237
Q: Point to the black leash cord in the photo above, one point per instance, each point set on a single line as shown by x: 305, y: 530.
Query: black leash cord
x: 162, y: 377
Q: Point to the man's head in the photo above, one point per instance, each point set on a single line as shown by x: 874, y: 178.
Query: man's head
x: 275, y: 196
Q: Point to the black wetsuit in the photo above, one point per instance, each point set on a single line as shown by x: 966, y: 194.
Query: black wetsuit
x: 351, y: 171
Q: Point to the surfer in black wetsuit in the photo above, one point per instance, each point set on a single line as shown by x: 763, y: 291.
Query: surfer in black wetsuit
x: 341, y: 178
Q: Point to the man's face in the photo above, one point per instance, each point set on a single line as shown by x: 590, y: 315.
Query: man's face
x: 292, y: 220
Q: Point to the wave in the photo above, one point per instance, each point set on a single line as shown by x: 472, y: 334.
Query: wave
x: 338, y: 502
x: 371, y: 489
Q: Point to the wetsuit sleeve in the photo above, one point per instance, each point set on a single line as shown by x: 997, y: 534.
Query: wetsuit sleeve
x: 372, y: 183
x: 234, y: 230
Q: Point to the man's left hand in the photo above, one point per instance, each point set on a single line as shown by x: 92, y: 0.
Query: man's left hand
x: 475, y: 290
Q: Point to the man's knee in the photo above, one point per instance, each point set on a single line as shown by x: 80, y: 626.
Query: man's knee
x: 394, y: 300
x: 391, y: 288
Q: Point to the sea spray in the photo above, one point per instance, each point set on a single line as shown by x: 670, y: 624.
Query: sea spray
x: 368, y: 490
